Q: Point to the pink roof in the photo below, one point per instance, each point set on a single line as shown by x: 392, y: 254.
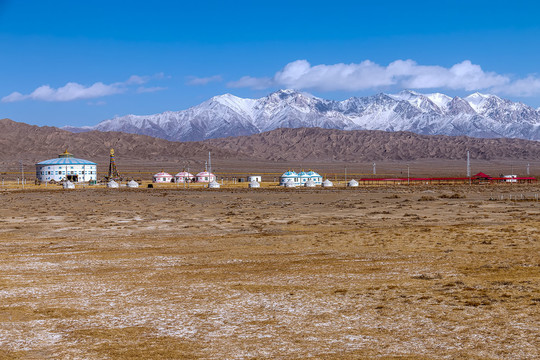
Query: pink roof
x: 162, y: 174
x: 184, y: 174
x: 205, y: 173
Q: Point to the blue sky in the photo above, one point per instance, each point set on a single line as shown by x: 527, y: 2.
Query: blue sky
x: 78, y: 63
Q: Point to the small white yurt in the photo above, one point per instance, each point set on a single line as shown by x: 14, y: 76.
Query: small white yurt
x: 112, y: 184
x: 162, y: 177
x: 327, y: 183
x: 133, y: 184
x: 214, y: 185
x: 205, y: 176
x: 184, y: 176
x: 68, y: 185
x: 290, y: 183
x: 352, y: 183
x: 310, y: 183
x: 254, y: 184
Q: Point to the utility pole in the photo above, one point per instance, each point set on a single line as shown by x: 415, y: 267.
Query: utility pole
x: 468, y: 165
x: 22, y: 174
x: 528, y: 169
x: 408, y: 175
x: 209, y: 167
x: 374, y: 169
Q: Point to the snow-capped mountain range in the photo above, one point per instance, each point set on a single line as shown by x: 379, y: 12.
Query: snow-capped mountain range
x: 476, y: 115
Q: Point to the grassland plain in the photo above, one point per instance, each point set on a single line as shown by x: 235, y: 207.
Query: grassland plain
x: 391, y: 273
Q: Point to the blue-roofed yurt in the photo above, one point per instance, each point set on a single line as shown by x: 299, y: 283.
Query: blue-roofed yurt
x: 289, y: 176
x: 303, y: 177
x: 315, y: 177
x: 66, y: 167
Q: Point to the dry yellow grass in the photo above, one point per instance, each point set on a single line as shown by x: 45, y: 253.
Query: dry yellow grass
x: 389, y: 273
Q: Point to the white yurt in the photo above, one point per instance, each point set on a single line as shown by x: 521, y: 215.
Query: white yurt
x: 327, y: 183
x: 184, y: 176
x: 288, y: 176
x: 254, y: 184
x: 303, y: 177
x: 133, y: 184
x: 214, y: 185
x: 310, y: 183
x: 316, y: 177
x: 68, y: 185
x: 112, y: 184
x: 352, y: 183
x: 205, y: 176
x: 162, y: 177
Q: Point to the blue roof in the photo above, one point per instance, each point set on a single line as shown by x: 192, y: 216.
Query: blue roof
x: 289, y: 173
x: 66, y: 161
x: 312, y: 173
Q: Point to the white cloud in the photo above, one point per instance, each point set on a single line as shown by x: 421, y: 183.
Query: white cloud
x: 69, y: 92
x: 143, y: 89
x: 252, y: 82
x: 194, y: 80
x: 97, y: 103
x: 139, y: 80
x: 300, y: 74
x: 529, y: 86
x: 74, y: 91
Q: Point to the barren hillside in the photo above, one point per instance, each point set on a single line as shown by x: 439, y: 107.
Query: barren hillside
x: 19, y: 141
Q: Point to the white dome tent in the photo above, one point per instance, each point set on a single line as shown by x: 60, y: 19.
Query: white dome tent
x: 254, y: 184
x: 352, y: 183
x: 112, y: 184
x: 310, y: 183
x: 289, y: 183
x: 214, y: 185
x: 133, y: 184
x: 327, y: 183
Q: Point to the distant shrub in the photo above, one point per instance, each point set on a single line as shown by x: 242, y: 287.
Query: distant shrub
x: 426, y: 198
x: 453, y: 196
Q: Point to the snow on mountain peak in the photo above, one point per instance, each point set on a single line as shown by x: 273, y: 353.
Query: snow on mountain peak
x: 441, y: 100
x: 238, y: 104
x: 228, y: 115
x: 406, y: 95
x: 476, y: 100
